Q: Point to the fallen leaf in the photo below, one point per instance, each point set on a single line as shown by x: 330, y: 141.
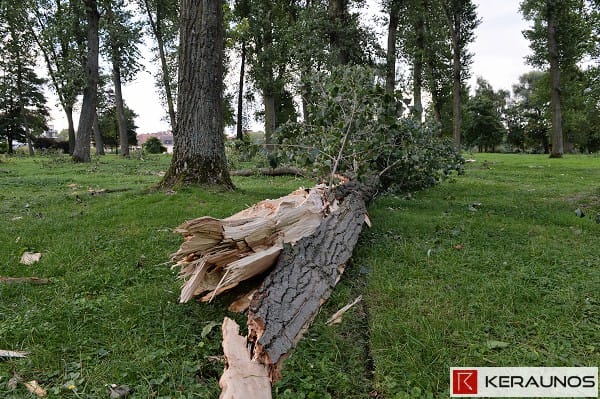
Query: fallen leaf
x: 118, y: 391
x: 492, y: 344
x: 35, y: 388
x: 458, y: 247
x: 16, y: 218
x: 72, y: 186
x: 29, y: 258
x: 14, y: 382
x: 208, y: 328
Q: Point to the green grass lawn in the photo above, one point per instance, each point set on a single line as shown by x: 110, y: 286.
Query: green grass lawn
x: 513, y: 281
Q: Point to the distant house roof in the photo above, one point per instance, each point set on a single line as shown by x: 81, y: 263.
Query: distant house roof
x: 165, y: 137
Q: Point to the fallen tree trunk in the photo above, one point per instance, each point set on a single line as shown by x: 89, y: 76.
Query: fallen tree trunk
x: 303, y: 278
x: 281, y: 171
x: 308, y: 236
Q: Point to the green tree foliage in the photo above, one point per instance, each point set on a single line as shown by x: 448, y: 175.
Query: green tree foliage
x: 560, y: 37
x: 58, y: 29
x: 357, y: 128
x: 484, y: 125
x: 528, y: 122
x: 154, y: 146
x: 109, y: 126
x: 23, y: 110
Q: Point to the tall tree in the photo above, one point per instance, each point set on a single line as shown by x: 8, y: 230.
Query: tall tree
x: 391, y: 53
x: 461, y: 16
x: 163, y: 23
x: 90, y: 92
x: 560, y: 37
x: 22, y: 103
x: 199, y: 147
x: 122, y: 40
x: 56, y: 27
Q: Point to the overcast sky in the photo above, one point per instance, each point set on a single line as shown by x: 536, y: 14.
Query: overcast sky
x: 499, y: 50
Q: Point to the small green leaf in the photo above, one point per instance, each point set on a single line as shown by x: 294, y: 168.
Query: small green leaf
x: 492, y: 344
x: 208, y: 328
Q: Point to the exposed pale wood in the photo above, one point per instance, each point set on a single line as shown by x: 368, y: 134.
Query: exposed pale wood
x: 16, y: 280
x: 29, y: 258
x: 243, y: 378
x: 12, y: 354
x: 217, y: 254
x: 281, y: 171
x: 337, y: 316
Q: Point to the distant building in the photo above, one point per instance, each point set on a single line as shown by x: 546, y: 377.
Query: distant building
x: 166, y: 138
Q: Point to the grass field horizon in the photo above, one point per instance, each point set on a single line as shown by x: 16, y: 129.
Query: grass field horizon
x: 492, y: 268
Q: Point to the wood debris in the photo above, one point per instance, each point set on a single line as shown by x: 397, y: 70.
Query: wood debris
x: 29, y: 258
x: 35, y: 388
x: 218, y: 254
x: 337, y: 316
x: 17, y: 280
x: 243, y: 378
x: 12, y: 354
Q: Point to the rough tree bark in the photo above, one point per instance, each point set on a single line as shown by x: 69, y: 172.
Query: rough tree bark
x: 553, y: 58
x: 199, y: 147
x: 303, y: 279
x: 81, y: 153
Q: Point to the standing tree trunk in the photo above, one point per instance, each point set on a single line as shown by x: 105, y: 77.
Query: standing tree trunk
x: 90, y: 92
x: 120, y: 107
x: 557, y: 134
x: 454, y: 24
x: 337, y: 12
x: 390, y: 66
x: 240, y: 112
x: 270, y: 121
x: 418, y: 68
x: 98, y: 136
x: 160, y: 41
x: 199, y: 146
x: 71, y: 127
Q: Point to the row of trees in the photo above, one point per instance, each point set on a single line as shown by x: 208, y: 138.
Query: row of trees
x: 279, y: 46
x: 69, y: 36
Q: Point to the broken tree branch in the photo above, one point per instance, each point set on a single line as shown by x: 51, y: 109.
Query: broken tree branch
x: 281, y: 171
x: 16, y: 280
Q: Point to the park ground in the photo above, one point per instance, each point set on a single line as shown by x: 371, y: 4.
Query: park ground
x: 491, y: 268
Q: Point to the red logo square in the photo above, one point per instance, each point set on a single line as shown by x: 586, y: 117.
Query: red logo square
x: 464, y: 382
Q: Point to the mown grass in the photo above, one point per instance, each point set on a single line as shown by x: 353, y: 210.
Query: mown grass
x: 492, y: 269
x: 521, y: 289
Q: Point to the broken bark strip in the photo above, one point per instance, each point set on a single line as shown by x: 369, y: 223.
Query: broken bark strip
x: 281, y: 171
x: 17, y: 280
x: 243, y: 378
x: 301, y: 281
